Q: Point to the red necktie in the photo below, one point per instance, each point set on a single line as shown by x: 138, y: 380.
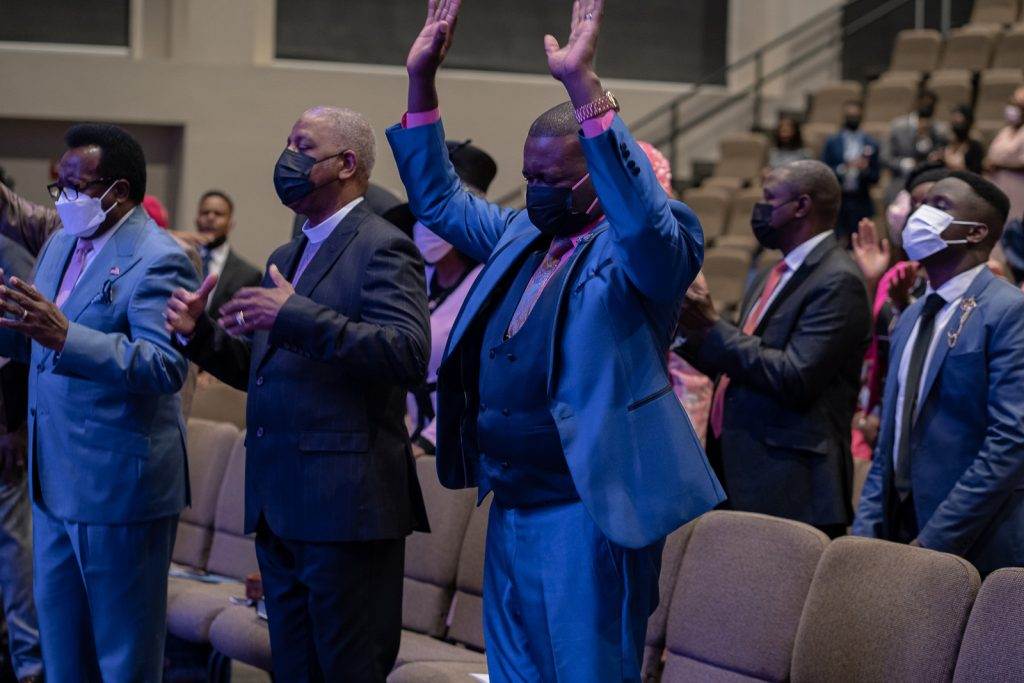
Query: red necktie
x: 718, y: 402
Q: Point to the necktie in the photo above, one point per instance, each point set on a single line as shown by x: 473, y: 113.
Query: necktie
x: 535, y: 287
x: 207, y: 256
x: 74, y: 271
x: 770, y: 285
x: 911, y: 387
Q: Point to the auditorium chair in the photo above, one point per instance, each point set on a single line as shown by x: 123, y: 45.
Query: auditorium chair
x: 992, y: 650
x: 738, y: 597
x: 952, y: 87
x: 1009, y: 52
x: 826, y: 112
x: 880, y: 611
x: 192, y: 604
x: 209, y: 449
x: 741, y: 157
x: 916, y: 50
x: 219, y: 402
x: 711, y: 204
x: 654, y: 641
x: 970, y: 47
x: 737, y: 229
x: 995, y: 11
x: 886, y: 100
x: 994, y: 91
x: 726, y: 271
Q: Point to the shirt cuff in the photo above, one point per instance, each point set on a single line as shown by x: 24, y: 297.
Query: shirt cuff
x: 183, y: 341
x: 597, y: 125
x: 421, y: 118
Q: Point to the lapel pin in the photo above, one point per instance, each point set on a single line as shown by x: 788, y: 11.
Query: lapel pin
x: 115, y: 271
x: 967, y: 307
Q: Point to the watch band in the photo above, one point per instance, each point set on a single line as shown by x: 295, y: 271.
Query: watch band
x: 603, y: 104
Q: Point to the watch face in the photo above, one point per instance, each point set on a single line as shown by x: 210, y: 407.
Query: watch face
x: 614, y: 100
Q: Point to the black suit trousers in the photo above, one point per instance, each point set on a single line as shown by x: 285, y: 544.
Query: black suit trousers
x: 334, y: 609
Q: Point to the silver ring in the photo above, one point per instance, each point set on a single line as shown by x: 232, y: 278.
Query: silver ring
x: 240, y: 319
x: 24, y: 314
x: 590, y: 16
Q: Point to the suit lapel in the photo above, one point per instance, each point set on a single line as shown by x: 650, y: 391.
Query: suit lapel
x: 51, y: 267
x: 801, y: 274
x: 503, y: 259
x: 897, y: 346
x: 111, y: 263
x: 942, y: 347
x: 330, y: 250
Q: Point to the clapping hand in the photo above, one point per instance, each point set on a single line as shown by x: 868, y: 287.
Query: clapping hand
x: 256, y: 308
x: 185, y: 307
x: 871, y: 255
x: 32, y: 314
x: 699, y: 312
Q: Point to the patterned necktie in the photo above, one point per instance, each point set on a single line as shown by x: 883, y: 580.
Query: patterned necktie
x: 535, y: 287
x: 718, y: 401
x: 74, y: 271
x: 912, y: 386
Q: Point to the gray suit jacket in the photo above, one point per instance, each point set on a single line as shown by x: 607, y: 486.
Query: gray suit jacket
x: 785, y: 445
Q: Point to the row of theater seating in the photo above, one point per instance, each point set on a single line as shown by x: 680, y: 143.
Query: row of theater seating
x: 974, y: 47
x: 743, y: 596
x: 996, y: 11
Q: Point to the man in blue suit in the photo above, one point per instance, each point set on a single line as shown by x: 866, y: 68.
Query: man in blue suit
x: 948, y: 472
x: 106, y: 437
x: 852, y: 155
x: 553, y: 392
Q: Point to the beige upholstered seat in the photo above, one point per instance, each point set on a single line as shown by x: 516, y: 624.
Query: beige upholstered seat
x: 711, y: 204
x: 916, y: 50
x: 219, y: 402
x: 726, y: 271
x: 239, y: 634
x: 1009, y: 52
x: 953, y: 88
x: 738, y: 597
x: 993, y: 646
x: 994, y: 91
x: 209, y: 448
x: 431, y: 560
x: 193, y: 605
x: 887, y: 100
x: 970, y: 47
x: 654, y: 643
x: 995, y: 11
x: 827, y: 102
x: 742, y: 156
x: 880, y: 611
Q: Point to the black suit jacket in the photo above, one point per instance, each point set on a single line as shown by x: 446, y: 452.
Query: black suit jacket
x: 785, y: 444
x: 327, y: 452
x: 18, y: 262
x: 237, y: 273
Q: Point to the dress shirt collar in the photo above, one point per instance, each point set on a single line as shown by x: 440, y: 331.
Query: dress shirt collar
x: 318, y: 233
x: 957, y: 286
x: 796, y: 257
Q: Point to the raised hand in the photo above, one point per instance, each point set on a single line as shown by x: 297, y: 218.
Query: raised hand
x: 256, y: 308
x: 32, y: 314
x: 871, y: 255
x: 431, y: 45
x: 184, y: 307
x: 573, y: 63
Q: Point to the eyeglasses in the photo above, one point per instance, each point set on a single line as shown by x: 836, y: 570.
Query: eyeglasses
x: 69, y: 191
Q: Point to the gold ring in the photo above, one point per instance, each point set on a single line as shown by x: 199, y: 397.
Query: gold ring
x: 240, y: 319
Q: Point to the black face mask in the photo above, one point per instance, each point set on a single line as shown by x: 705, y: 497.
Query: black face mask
x: 852, y: 122
x: 761, y: 224
x: 926, y: 111
x: 553, y: 212
x: 291, y: 175
x: 961, y: 130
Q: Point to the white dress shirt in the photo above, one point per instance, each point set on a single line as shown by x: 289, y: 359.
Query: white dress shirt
x: 218, y: 257
x: 794, y: 259
x: 951, y: 292
x: 318, y: 234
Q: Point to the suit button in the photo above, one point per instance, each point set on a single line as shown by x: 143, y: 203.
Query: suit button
x: 41, y: 367
x: 506, y: 412
x: 32, y: 412
x: 623, y: 147
x: 259, y: 432
x: 636, y: 170
x: 491, y: 354
x: 259, y: 381
x: 511, y: 358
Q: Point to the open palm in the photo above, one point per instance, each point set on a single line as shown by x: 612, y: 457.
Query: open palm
x: 431, y: 45
x: 577, y: 55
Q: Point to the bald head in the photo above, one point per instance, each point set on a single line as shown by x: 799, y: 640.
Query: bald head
x: 817, y: 181
x: 346, y: 129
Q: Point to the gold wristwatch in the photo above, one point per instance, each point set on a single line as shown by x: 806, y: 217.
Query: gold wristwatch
x: 591, y: 110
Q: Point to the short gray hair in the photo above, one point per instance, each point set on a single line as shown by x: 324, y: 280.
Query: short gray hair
x: 351, y: 131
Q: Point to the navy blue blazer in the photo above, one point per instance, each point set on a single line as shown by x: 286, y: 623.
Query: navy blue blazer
x: 968, y: 437
x: 832, y: 156
x: 634, y: 457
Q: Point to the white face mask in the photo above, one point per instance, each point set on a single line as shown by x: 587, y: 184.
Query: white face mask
x: 1012, y: 114
x: 82, y: 216
x: 922, y: 234
x: 430, y: 245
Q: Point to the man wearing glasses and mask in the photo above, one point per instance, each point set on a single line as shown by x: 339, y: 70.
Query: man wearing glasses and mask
x: 106, y: 437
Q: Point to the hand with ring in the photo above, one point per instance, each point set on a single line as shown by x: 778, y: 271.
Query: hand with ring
x: 256, y: 308
x: 34, y: 315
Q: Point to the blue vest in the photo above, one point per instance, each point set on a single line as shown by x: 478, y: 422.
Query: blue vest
x: 521, y: 457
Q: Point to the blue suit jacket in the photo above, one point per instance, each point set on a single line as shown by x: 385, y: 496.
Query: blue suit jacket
x: 968, y: 437
x: 106, y: 437
x: 634, y: 458
x: 833, y: 157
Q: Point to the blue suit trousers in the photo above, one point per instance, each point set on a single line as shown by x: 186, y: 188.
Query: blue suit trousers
x: 561, y: 601
x: 101, y: 594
